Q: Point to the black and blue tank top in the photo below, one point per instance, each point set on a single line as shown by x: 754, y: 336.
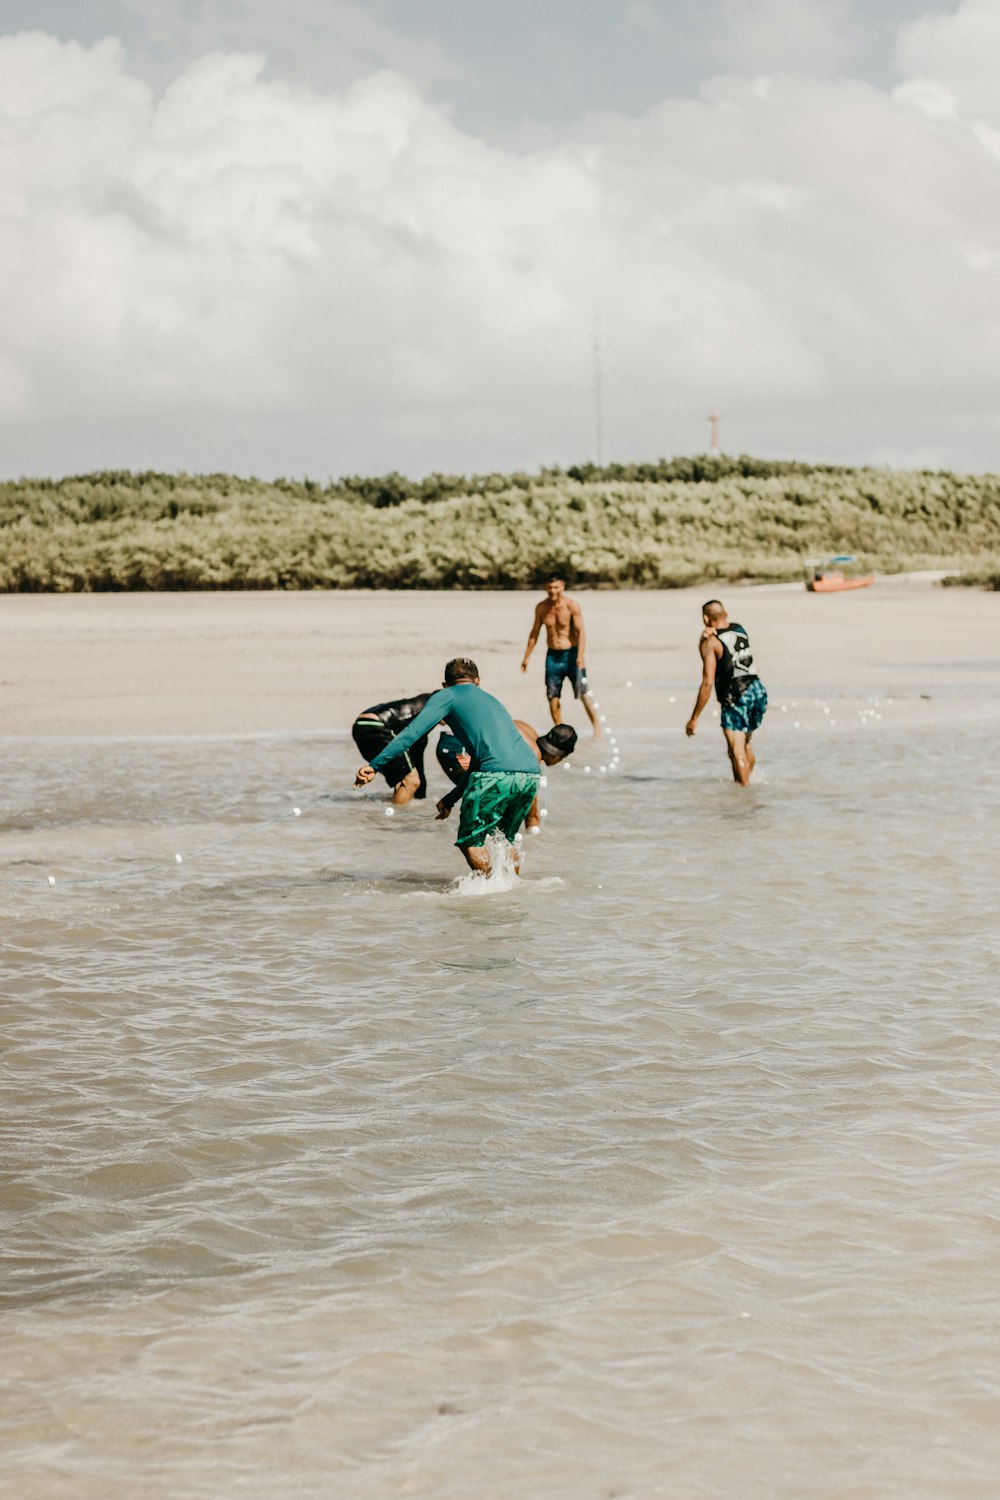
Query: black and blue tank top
x: 734, y: 669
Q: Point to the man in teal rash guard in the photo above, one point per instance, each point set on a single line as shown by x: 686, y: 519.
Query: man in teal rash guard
x: 505, y: 775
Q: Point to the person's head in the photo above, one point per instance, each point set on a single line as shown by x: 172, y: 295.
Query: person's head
x: 554, y: 586
x: 555, y: 745
x: 714, y: 614
x: 460, y: 669
x: 452, y: 757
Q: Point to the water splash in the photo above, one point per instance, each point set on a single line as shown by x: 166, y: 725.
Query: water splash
x: 503, y: 874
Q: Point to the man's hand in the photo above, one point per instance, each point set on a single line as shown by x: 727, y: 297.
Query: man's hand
x: 363, y: 777
x: 690, y: 727
x: 524, y: 665
x: 443, y: 811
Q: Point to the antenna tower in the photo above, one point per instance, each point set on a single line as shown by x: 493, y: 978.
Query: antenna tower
x: 598, y: 392
x: 713, y: 434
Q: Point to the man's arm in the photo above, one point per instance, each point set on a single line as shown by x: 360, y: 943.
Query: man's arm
x: 709, y: 657
x: 533, y: 637
x: 577, y: 630
x: 449, y: 799
x: 434, y: 709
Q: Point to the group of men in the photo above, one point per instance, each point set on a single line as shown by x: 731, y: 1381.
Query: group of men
x: 495, y: 761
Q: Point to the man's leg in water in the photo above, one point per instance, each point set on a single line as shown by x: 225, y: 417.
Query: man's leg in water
x: 555, y: 709
x: 588, y: 704
x: 751, y: 758
x: 736, y: 744
x: 477, y: 858
x: 405, y: 790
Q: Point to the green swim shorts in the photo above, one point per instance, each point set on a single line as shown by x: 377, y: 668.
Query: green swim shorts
x: 495, y: 802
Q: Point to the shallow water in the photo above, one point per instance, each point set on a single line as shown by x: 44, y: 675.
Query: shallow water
x: 671, y: 1172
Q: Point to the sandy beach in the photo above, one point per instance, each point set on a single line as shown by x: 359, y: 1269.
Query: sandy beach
x: 138, y: 665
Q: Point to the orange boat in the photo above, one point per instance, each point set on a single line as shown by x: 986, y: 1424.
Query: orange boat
x: 829, y: 577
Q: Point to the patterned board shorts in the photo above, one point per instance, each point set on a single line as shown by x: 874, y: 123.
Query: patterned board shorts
x: 749, y: 709
x: 562, y: 664
x: 495, y: 802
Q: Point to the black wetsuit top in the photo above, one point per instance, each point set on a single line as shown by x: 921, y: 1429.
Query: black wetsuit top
x: 376, y: 729
x: 734, y: 668
x: 399, y: 713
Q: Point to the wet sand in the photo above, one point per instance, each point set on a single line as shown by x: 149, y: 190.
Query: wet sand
x: 264, y: 663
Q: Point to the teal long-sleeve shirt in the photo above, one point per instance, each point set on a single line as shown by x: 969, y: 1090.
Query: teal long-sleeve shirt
x: 479, y: 720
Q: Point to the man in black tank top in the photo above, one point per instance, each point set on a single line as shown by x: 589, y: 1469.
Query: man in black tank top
x: 727, y: 666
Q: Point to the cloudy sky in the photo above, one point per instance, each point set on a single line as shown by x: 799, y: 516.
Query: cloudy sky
x: 338, y: 236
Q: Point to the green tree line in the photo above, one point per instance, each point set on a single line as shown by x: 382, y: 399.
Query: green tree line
x: 665, y: 524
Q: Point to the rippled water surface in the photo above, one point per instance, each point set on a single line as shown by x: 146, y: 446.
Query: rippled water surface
x: 672, y: 1172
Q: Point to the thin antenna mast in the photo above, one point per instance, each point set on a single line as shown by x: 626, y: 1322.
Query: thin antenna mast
x: 598, y: 392
x: 713, y: 434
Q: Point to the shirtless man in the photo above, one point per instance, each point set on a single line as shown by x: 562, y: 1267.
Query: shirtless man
x: 567, y: 650
x: 727, y: 666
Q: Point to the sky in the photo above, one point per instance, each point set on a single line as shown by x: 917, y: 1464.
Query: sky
x: 337, y: 237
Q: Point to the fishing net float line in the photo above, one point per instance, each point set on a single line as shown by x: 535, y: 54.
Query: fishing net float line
x: 165, y: 863
x: 168, y: 862
x: 171, y: 862
x: 612, y: 764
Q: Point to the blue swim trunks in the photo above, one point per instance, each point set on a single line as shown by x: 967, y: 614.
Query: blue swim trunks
x: 558, y: 666
x: 748, y: 710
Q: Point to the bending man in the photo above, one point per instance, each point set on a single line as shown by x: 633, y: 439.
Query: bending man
x: 550, y: 749
x: 503, y: 785
x: 727, y: 665
x: 377, y: 729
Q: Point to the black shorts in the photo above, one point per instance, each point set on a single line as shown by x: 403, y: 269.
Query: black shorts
x: 371, y: 737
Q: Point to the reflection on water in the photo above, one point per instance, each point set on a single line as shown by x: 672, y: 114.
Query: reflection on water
x: 670, y: 1171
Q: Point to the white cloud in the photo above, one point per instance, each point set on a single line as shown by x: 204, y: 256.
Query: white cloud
x: 785, y: 36
x: 929, y: 96
x: 252, y: 275
x: 327, y: 43
x: 962, y: 52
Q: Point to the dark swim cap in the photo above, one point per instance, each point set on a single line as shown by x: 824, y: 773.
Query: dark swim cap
x: 560, y: 740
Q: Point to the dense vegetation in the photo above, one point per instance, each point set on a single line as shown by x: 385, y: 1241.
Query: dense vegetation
x: 664, y: 524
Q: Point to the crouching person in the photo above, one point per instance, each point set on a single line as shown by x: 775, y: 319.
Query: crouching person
x: 550, y: 749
